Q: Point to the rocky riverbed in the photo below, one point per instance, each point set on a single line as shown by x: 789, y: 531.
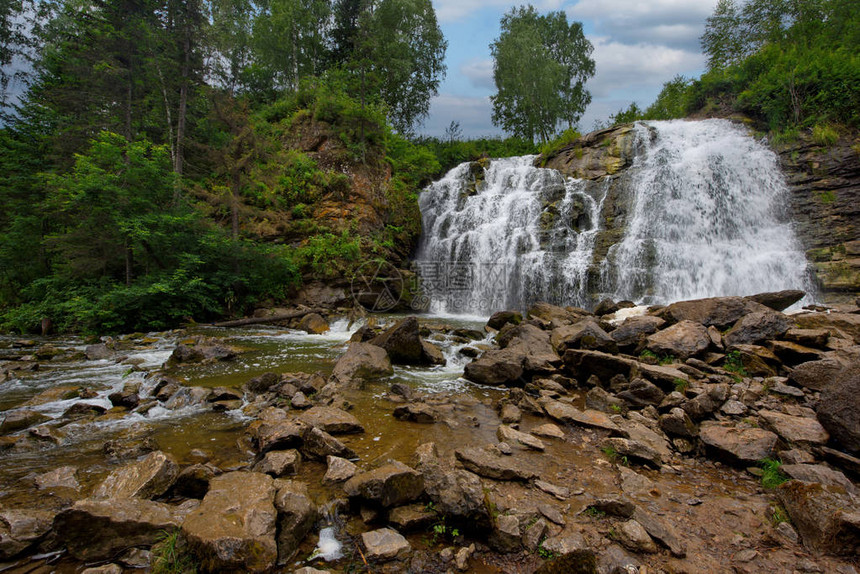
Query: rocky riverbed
x: 717, y: 435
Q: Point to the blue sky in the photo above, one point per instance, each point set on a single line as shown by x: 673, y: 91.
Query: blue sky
x: 638, y: 45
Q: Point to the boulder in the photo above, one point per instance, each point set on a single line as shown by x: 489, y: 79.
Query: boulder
x: 147, y: 478
x: 193, y: 481
x: 497, y: 367
x: 555, y: 315
x: 635, y: 538
x: 683, y: 339
x: 628, y: 333
x: 62, y: 477
x: 839, y: 409
x: 678, y: 423
x: 403, y: 344
x: 816, y: 338
x: 318, y: 445
x: 455, y: 492
x: 744, y: 445
x: 506, y: 534
x: 412, y: 517
x: 488, y: 463
x: 721, y: 312
x: 296, y: 517
x: 641, y: 393
x: 838, y: 324
x: 533, y: 343
x: 313, y: 324
x: 604, y: 366
x: 581, y: 561
x: 515, y: 437
x: 262, y: 383
x: 277, y: 434
x: 820, y: 474
x: 384, y: 544
x: 571, y: 415
x: 100, y: 529
x: 795, y: 430
x: 22, y: 529
x: 391, y: 484
x: 662, y: 531
x: 21, y: 419
x: 779, y: 300
x: 416, y: 412
x: 331, y: 420
x: 585, y: 334
x: 362, y: 361
x: 501, y: 318
x: 279, y: 463
x: 757, y: 327
x: 234, y: 527
x: 98, y: 352
x: 339, y: 469
x: 633, y: 450
x: 826, y: 517
x: 815, y: 375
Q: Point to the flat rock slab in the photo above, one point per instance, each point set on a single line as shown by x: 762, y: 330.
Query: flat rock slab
x: 22, y: 529
x: 739, y: 444
x: 799, y: 430
x: 384, y: 544
x: 391, y: 484
x: 279, y: 463
x: 661, y: 531
x: 63, y: 477
x: 277, y: 434
x: 515, y: 437
x: 589, y: 418
x: 486, y: 463
x: 100, y: 529
x: 339, y: 469
x: 362, y: 361
x: 146, y: 478
x: 332, y: 420
x: 234, y: 527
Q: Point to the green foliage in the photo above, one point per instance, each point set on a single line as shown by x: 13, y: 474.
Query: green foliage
x: 673, y: 102
x: 594, y: 512
x: 681, y: 385
x: 328, y: 255
x: 171, y: 556
x: 551, y: 148
x: 778, y: 515
x: 734, y: 363
x: 615, y: 408
x: 825, y: 135
x: 647, y: 354
x: 666, y: 359
x: 541, y: 64
x: 610, y: 453
x: 771, y: 476
x: 544, y: 553
x: 450, y: 154
x: 827, y: 197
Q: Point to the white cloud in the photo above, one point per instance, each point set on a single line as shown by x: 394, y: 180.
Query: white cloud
x: 479, y: 71
x: 631, y: 67
x: 676, y: 23
x: 452, y: 10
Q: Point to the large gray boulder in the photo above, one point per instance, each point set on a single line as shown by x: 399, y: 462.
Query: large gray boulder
x: 839, y: 409
x: 362, y: 361
x: 100, y: 529
x: 404, y: 345
x: 21, y: 530
x: 296, y: 516
x: 497, y: 367
x: 585, y: 334
x: 740, y: 444
x: 721, y: 312
x: 629, y: 332
x: 757, y: 327
x: 455, y: 492
x: 391, y: 484
x: 332, y: 420
x: 234, y: 527
x: 147, y: 478
x: 490, y: 464
x: 684, y: 339
x: 826, y: 517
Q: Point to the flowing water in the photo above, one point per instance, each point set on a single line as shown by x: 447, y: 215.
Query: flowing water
x: 707, y: 217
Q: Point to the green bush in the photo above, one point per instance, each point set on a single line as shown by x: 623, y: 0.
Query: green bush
x: 551, y: 148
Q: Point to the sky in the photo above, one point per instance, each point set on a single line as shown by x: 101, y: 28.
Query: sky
x: 638, y: 45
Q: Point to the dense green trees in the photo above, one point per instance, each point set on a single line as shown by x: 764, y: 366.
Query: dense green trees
x: 541, y: 64
x: 147, y: 175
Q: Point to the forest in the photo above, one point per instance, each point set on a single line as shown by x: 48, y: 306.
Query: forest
x: 156, y: 165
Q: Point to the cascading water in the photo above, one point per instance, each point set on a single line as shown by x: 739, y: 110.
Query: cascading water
x: 496, y: 237
x: 709, y: 218
x: 703, y: 214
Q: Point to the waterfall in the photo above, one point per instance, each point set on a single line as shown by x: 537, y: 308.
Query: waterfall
x: 702, y: 211
x: 498, y: 236
x: 709, y: 218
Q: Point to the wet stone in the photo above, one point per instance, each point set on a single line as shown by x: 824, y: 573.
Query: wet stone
x: 412, y: 517
x: 279, y: 463
x: 384, y: 544
x: 513, y: 436
x: 146, y: 478
x: 486, y: 463
x: 63, y: 477
x: 332, y: 420
x: 339, y: 469
x: 391, y: 484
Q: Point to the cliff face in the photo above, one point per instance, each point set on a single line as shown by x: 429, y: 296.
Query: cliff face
x: 825, y: 205
x: 824, y: 201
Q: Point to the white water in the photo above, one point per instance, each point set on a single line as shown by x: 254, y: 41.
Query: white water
x: 705, y: 219
x: 491, y: 249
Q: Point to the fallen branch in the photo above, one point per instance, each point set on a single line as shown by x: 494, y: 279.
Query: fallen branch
x: 268, y: 319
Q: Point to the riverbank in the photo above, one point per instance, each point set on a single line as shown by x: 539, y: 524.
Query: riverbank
x: 631, y: 438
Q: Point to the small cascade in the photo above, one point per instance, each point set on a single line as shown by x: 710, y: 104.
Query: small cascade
x: 505, y: 235
x: 701, y: 212
x: 709, y: 218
